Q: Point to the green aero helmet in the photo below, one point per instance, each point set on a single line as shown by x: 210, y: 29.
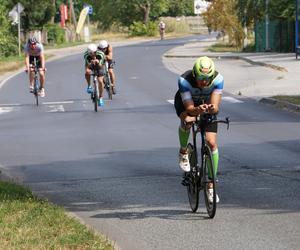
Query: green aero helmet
x: 204, y: 68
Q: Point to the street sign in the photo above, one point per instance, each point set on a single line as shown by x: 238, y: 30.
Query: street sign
x: 15, y: 13
x: 90, y: 12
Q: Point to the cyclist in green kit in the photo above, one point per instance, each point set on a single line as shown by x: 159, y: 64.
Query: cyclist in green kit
x: 199, y: 92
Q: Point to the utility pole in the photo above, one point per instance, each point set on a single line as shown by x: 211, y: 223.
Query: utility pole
x: 19, y: 28
x: 267, y: 26
x: 296, y: 29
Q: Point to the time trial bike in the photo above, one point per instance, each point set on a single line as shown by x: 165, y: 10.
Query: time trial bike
x: 95, y: 95
x: 36, y: 83
x: 201, y: 175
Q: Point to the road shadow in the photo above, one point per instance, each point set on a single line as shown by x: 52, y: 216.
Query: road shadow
x: 139, y: 184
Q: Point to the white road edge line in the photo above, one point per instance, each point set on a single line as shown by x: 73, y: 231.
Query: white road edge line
x: 231, y: 99
x: 62, y: 102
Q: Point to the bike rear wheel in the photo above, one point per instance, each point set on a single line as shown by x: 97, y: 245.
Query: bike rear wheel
x: 192, y: 176
x: 108, y: 87
x: 209, y: 179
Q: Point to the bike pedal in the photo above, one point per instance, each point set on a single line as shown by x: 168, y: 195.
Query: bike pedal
x: 184, y: 183
x: 185, y: 180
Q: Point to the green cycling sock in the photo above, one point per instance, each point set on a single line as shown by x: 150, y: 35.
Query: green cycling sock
x: 215, y: 161
x: 183, y: 137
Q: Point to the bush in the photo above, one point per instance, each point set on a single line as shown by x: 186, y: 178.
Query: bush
x: 55, y: 33
x: 141, y: 29
x: 8, y: 45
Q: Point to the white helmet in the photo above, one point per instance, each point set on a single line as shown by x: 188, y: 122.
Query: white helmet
x: 103, y: 44
x: 92, y: 48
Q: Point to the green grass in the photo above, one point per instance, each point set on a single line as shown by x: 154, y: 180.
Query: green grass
x: 295, y: 99
x: 223, y: 47
x: 28, y: 222
x: 11, y: 63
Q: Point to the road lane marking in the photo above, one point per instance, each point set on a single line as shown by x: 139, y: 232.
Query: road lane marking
x: 171, y: 101
x: 11, y: 105
x: 56, y: 108
x: 5, y: 110
x: 231, y: 99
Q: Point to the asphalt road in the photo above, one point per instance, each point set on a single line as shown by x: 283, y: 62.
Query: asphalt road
x: 117, y: 169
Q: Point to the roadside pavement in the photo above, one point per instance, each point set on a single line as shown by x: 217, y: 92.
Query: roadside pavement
x: 283, y: 71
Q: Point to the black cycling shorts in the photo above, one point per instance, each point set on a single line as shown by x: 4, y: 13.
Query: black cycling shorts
x: 178, y: 104
x: 38, y: 61
x: 111, y: 64
x: 99, y: 71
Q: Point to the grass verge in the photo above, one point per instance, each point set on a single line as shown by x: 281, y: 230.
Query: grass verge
x: 223, y: 47
x: 28, y: 222
x: 295, y: 99
x: 11, y: 63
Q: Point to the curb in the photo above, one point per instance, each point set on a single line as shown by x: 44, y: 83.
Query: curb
x: 281, y: 104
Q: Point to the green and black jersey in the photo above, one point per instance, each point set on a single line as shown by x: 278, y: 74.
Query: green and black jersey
x: 98, y: 55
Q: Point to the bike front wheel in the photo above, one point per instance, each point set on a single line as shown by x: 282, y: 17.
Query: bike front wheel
x: 192, y: 177
x: 36, y: 91
x: 209, y: 183
x: 95, y: 96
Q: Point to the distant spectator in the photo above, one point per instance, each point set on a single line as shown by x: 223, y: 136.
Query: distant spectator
x: 162, y: 27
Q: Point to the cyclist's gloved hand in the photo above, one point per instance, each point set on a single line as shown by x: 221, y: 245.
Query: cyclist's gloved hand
x: 211, y: 108
x: 203, y: 108
x: 95, y: 61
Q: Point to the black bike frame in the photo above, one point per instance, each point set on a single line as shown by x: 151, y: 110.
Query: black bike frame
x: 196, y: 128
x: 36, y: 83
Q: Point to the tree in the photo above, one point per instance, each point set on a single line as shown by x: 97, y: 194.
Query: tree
x: 250, y: 11
x: 8, y: 42
x: 180, y: 8
x: 222, y: 16
x: 125, y: 12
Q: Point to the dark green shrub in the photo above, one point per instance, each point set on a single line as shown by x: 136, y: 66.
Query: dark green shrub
x: 141, y: 29
x: 55, y: 33
x: 8, y: 45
